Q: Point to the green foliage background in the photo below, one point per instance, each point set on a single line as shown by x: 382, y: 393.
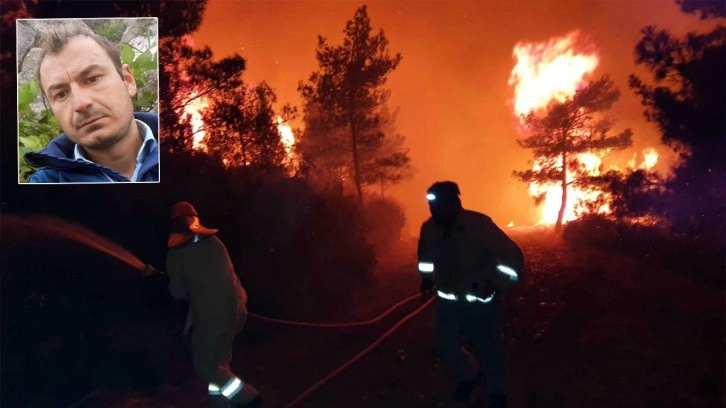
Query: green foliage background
x: 37, y: 128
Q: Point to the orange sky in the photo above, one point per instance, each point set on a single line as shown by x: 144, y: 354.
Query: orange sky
x: 452, y: 83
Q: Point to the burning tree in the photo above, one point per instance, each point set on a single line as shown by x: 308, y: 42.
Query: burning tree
x: 191, y: 77
x: 628, y: 194
x: 565, y: 132
x: 242, y: 128
x: 342, y: 104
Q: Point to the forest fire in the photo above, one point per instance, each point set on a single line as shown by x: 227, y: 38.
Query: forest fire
x: 194, y: 110
x: 650, y: 159
x: 286, y: 136
x: 553, y: 193
x: 549, y: 72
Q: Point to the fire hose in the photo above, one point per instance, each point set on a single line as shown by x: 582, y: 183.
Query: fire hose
x: 91, y: 240
x: 338, y: 325
x: 305, y: 394
x: 150, y: 270
x: 357, y: 357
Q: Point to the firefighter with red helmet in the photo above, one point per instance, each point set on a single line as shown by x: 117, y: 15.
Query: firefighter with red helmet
x: 200, y: 269
x: 470, y: 263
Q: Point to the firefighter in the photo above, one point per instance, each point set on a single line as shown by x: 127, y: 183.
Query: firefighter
x: 471, y: 263
x: 199, y: 269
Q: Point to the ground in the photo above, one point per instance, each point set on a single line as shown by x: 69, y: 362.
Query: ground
x: 587, y: 329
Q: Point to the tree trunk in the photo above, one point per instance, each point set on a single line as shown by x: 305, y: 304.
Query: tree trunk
x: 356, y: 164
x: 561, y: 213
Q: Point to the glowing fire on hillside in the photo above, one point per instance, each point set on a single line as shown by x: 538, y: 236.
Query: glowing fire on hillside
x: 194, y: 110
x: 553, y: 71
x: 286, y: 136
x: 288, y: 140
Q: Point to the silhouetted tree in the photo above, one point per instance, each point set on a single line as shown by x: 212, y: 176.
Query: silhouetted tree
x: 269, y: 150
x: 227, y: 124
x: 324, y: 148
x: 191, y: 76
x: 391, y: 163
x: 567, y: 129
x: 685, y: 99
x: 630, y: 193
x: 342, y: 102
x: 686, y: 102
x: 175, y: 20
x: 242, y: 128
x: 704, y: 8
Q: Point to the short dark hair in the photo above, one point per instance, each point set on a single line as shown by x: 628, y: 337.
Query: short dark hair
x: 445, y: 189
x: 53, y: 41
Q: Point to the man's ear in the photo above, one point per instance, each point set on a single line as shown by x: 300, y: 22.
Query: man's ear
x: 129, y: 80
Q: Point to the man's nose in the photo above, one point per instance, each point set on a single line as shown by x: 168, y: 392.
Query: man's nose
x: 81, y: 99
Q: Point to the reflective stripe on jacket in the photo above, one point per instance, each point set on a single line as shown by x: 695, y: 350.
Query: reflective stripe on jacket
x: 464, y: 258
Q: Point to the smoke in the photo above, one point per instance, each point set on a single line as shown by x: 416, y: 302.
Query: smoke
x: 451, y: 85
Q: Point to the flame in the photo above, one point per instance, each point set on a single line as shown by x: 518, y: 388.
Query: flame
x: 194, y: 109
x: 552, y: 192
x: 548, y: 71
x: 288, y: 139
x: 553, y: 71
x: 650, y: 158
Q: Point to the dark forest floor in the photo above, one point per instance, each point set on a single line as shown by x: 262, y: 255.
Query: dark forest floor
x: 587, y: 330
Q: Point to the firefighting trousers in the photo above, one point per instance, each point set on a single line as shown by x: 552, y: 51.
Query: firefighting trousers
x: 455, y: 322
x: 212, y: 343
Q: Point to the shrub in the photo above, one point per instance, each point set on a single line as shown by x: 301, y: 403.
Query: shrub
x: 386, y: 218
x: 301, y: 252
x: 703, y: 261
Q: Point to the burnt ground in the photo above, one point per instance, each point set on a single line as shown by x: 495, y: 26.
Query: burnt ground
x: 588, y: 329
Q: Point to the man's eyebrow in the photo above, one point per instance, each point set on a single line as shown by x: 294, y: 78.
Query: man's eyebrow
x: 56, y: 86
x: 90, y: 68
x: 82, y: 74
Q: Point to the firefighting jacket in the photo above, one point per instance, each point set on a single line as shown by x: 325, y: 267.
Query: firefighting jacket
x: 203, y: 273
x: 470, y: 258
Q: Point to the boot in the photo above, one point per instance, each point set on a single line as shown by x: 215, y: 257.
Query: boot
x: 466, y: 387
x: 247, y: 397
x: 498, y: 401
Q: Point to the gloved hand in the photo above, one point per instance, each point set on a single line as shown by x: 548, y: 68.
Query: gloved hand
x: 427, y: 287
x: 149, y: 270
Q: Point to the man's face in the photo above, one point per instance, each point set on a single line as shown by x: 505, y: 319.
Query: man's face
x: 90, y: 99
x: 444, y: 210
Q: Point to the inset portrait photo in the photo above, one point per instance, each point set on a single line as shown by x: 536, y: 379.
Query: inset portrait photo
x: 88, y: 100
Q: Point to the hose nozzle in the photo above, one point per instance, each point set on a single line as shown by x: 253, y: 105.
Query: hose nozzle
x: 149, y: 270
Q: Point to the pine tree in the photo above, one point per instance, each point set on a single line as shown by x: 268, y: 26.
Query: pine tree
x: 567, y: 129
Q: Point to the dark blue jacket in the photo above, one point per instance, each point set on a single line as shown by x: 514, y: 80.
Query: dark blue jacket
x: 56, y: 164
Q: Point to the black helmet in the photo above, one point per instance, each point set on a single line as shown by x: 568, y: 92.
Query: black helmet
x: 443, y: 191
